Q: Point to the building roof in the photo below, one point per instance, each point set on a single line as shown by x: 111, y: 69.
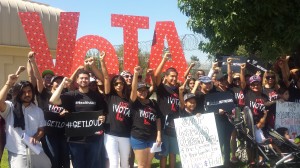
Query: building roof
x: 11, y: 30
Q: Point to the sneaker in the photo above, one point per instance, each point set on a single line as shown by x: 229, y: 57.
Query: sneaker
x: 234, y: 159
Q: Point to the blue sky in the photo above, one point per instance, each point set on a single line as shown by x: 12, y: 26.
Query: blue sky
x: 95, y: 17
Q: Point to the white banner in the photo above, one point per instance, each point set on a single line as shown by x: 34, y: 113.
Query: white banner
x: 288, y: 115
x: 198, y: 141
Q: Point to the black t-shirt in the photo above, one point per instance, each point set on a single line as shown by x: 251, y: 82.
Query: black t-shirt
x: 118, y: 122
x: 144, y: 118
x: 294, y: 94
x: 75, y: 101
x: 168, y: 102
x: 49, y: 108
x: 256, y: 103
x: 239, y: 96
x: 271, y: 93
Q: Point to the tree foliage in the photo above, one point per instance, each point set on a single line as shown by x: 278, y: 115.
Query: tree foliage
x: 267, y: 29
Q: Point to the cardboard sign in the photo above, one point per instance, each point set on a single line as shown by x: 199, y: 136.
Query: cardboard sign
x: 83, y: 124
x: 219, y: 100
x: 54, y: 123
x: 287, y: 115
x: 198, y: 141
x: 236, y: 63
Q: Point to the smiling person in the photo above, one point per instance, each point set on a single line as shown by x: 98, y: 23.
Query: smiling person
x: 22, y: 116
x: 168, y: 101
x: 118, y: 123
x: 85, y: 151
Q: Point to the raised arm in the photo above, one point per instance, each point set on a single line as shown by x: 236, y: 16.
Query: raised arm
x: 284, y: 67
x: 30, y: 74
x: 242, y: 76
x: 262, y: 121
x: 133, y: 94
x: 152, y: 88
x: 186, y: 73
x: 37, y: 75
x: 12, y: 78
x: 197, y: 83
x: 229, y: 71
x: 55, y: 98
x: 90, y: 62
x: 158, y: 70
x: 181, y: 90
x: 105, y: 74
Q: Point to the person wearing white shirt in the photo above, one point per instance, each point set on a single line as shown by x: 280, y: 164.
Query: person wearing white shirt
x: 22, y: 116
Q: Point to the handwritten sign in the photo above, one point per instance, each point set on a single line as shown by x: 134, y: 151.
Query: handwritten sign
x: 287, y: 115
x: 198, y: 141
x: 83, y: 124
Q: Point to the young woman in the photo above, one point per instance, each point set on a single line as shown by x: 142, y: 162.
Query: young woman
x: 270, y: 85
x: 146, y: 126
x: 118, y: 123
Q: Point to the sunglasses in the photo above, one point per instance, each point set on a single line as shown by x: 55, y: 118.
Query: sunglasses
x: 236, y: 79
x: 270, y: 77
x: 127, y: 76
x: 118, y: 83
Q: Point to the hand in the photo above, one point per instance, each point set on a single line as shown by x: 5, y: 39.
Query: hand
x: 258, y: 73
x: 229, y: 60
x: 12, y: 79
x: 137, y: 70
x: 243, y: 66
x: 80, y: 67
x: 266, y: 112
x: 20, y: 70
x: 102, y: 56
x: 101, y: 118
x: 63, y: 113
x: 214, y: 65
x: 31, y: 55
x: 221, y: 111
x: 167, y: 56
x: 66, y: 81
x: 158, y: 141
x: 181, y: 88
x: 192, y: 64
x: 33, y: 140
x: 150, y: 72
x: 198, y: 115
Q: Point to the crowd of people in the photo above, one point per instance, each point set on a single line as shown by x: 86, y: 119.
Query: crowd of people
x: 135, y: 114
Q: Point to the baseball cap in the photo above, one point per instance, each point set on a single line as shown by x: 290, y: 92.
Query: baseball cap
x: 205, y: 79
x: 141, y: 85
x: 47, y: 71
x: 188, y: 96
x: 55, y: 78
x: 254, y: 78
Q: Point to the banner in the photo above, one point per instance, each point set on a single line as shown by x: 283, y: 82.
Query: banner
x: 287, y: 115
x: 198, y: 141
x: 83, y: 124
x: 254, y: 65
x: 54, y: 123
x: 219, y: 100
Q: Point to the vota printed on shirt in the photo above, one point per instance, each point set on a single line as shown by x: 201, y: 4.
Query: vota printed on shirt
x: 257, y: 106
x: 122, y: 110
x: 174, y: 101
x: 148, y: 116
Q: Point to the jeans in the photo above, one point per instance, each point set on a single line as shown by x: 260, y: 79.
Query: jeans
x: 59, y: 150
x: 87, y: 154
x: 118, y: 148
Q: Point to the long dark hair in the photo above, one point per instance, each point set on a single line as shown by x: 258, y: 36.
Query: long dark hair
x: 112, y: 87
x: 16, y: 99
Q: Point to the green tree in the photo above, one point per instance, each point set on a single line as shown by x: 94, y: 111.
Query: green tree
x: 267, y: 29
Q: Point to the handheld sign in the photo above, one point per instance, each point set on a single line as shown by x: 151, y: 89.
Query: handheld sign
x: 198, y: 141
x: 254, y: 66
x: 287, y: 115
x: 54, y: 123
x: 219, y: 100
x: 237, y: 61
x: 83, y: 124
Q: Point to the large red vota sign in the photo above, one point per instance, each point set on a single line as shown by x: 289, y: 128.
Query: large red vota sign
x: 71, y: 52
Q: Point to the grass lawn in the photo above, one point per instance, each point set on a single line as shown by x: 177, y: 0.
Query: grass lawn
x: 4, y: 163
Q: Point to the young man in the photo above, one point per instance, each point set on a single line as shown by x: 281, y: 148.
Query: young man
x: 168, y: 101
x: 22, y: 116
x: 85, y: 151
